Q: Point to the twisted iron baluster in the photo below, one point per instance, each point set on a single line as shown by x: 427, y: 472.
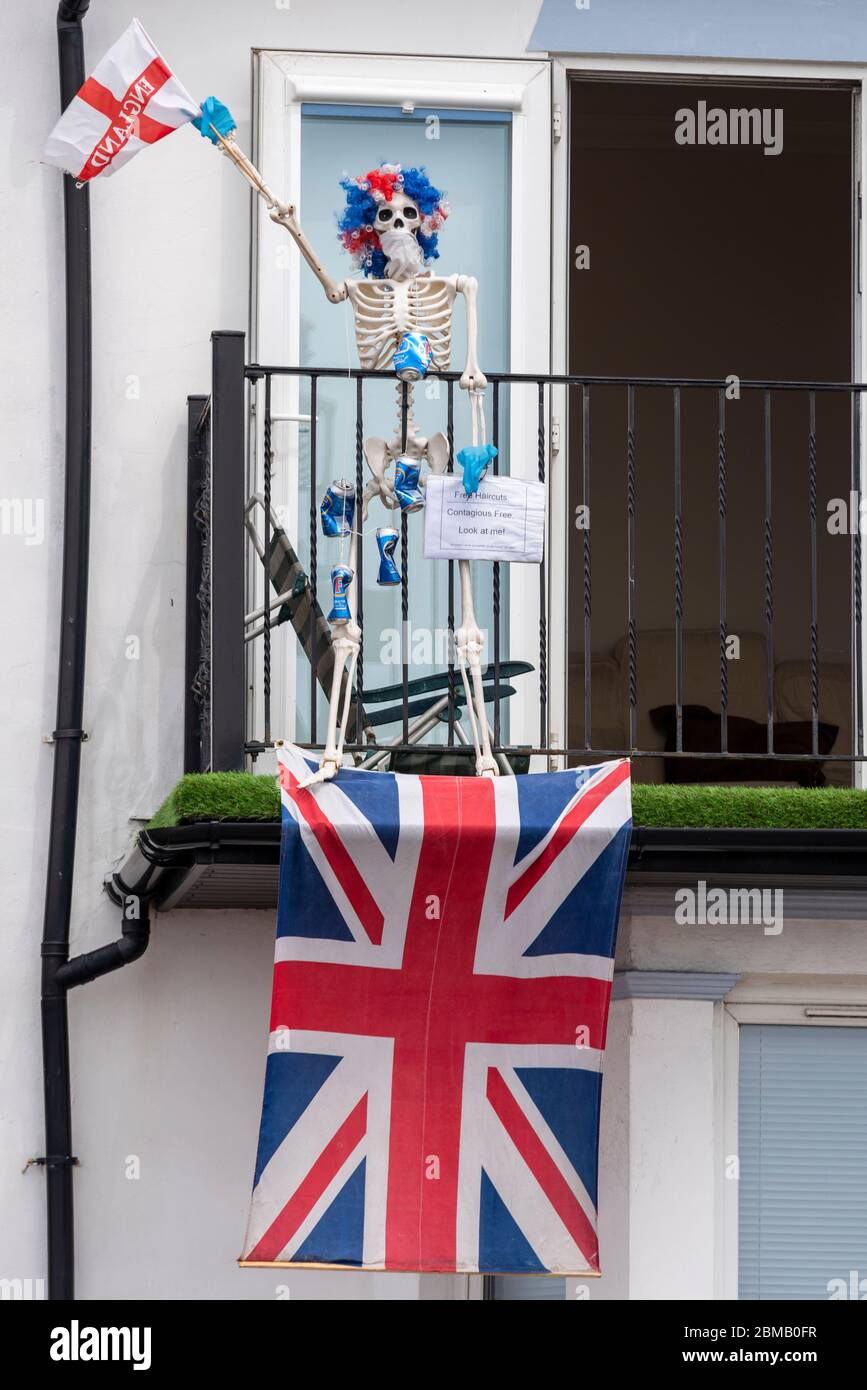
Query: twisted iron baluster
x: 359, y: 560
x: 678, y: 575
x: 722, y: 463
x: 543, y: 623
x: 769, y: 569
x: 630, y: 513
x: 814, y: 597
x: 266, y: 564
x: 450, y: 468
x: 496, y: 578
x: 858, y: 727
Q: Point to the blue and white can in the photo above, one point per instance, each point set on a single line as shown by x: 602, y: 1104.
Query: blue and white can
x: 413, y: 357
x: 406, y: 488
x: 386, y: 539
x: 341, y: 578
x: 337, y: 509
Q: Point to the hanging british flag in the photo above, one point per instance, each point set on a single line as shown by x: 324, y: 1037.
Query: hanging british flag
x: 443, y: 971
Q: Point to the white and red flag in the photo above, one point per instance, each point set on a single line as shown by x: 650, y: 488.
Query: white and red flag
x: 132, y: 100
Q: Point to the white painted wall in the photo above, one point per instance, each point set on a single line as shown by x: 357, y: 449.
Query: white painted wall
x: 168, y: 1055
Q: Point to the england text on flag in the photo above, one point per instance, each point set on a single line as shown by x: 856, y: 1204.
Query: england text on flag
x: 442, y: 977
x: 131, y: 100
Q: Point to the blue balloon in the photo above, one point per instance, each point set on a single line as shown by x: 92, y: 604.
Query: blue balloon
x: 215, y: 114
x: 474, y: 460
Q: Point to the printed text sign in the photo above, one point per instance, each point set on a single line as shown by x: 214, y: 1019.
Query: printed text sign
x: 504, y: 520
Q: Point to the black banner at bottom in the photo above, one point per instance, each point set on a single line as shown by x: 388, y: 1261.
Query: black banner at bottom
x: 249, y: 1338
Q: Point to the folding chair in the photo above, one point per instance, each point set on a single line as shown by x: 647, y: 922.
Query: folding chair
x: 428, y: 696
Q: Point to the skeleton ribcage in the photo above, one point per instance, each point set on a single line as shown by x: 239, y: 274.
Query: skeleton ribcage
x: 384, y: 311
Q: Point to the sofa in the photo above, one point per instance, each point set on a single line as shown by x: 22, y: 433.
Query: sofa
x: 747, y: 686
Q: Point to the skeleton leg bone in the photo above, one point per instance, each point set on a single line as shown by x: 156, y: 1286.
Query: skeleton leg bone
x: 346, y: 641
x: 470, y: 646
x: 470, y: 641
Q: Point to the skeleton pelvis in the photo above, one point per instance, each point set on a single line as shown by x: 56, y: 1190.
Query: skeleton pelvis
x: 382, y: 453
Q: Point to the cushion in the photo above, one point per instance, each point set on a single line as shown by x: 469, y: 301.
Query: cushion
x: 835, y: 705
x: 701, y: 734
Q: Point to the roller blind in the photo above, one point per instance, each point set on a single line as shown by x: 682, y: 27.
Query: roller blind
x: 803, y: 1162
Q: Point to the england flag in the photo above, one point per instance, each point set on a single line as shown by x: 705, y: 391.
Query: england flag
x: 441, y: 986
x: 131, y: 101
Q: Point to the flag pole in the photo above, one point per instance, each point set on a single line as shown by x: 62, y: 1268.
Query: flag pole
x: 281, y: 212
x: 249, y: 170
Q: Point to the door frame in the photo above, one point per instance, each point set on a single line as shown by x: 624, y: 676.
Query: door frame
x: 693, y: 70
x: 282, y: 80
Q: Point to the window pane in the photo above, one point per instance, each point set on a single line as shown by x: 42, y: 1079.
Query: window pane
x: 803, y: 1152
x: 471, y: 160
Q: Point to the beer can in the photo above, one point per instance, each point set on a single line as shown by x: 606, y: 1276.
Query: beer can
x: 413, y: 357
x: 386, y: 540
x: 341, y: 578
x: 406, y: 488
x: 337, y: 509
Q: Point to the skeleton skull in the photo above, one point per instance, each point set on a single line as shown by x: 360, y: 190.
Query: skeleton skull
x: 400, y: 212
x: 397, y: 224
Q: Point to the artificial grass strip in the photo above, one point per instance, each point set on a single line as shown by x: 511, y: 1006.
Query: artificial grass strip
x: 733, y: 808
x: 207, y: 796
x: 241, y: 796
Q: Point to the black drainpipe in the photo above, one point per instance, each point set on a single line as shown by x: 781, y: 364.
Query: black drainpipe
x: 59, y: 973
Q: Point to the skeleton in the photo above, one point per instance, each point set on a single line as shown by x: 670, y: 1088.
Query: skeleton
x: 408, y: 299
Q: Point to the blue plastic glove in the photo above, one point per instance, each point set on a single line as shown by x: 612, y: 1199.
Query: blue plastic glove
x: 474, y: 461
x: 215, y: 114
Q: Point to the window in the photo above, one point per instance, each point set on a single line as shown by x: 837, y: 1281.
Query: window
x: 471, y: 159
x: 690, y: 262
x: 803, y: 1161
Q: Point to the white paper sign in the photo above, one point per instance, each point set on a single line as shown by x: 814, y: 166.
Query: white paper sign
x: 504, y: 520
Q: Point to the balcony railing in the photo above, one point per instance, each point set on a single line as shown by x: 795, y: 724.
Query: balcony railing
x: 249, y: 587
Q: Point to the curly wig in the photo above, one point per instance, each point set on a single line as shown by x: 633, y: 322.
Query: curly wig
x: 364, y: 195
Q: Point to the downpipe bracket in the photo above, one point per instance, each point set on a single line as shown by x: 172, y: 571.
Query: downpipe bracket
x: 53, y: 1161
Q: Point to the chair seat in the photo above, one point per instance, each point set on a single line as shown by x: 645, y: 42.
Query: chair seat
x: 423, y: 685
x: 394, y: 713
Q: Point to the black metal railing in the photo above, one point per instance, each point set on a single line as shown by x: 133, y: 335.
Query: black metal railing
x: 197, y: 667
x: 224, y: 471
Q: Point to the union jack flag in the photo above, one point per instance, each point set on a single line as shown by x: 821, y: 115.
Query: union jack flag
x: 443, y: 970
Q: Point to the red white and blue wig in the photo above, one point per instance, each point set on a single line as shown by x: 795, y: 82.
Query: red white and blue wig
x: 364, y: 196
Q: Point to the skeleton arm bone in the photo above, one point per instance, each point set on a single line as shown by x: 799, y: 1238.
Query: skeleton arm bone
x: 284, y: 215
x: 473, y: 378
